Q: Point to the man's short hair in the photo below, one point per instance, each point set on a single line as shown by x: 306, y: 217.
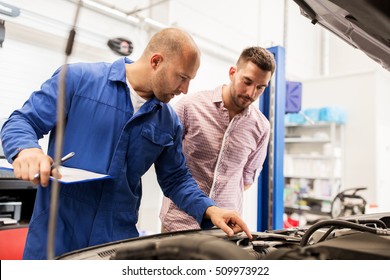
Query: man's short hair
x: 259, y: 56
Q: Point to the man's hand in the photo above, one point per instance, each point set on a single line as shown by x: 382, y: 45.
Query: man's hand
x: 30, y: 162
x: 227, y: 220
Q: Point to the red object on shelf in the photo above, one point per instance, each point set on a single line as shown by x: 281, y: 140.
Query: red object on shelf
x: 12, y: 242
x: 290, y: 223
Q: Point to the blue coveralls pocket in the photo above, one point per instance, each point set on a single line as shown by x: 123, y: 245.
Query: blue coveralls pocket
x: 157, y: 136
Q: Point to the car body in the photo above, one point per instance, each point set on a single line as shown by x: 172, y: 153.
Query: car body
x: 364, y: 24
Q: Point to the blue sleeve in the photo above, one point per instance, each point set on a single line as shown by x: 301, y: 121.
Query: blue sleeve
x: 36, y: 118
x: 178, y: 184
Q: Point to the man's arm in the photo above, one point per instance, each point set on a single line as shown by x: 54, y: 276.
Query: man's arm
x: 22, y: 131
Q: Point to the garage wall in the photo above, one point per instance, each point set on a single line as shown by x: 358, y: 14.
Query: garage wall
x: 382, y: 145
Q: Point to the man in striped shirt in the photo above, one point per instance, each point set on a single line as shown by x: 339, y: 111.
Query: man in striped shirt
x: 225, y: 136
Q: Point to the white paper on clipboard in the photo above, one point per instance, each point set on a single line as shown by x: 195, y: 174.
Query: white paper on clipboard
x: 69, y: 175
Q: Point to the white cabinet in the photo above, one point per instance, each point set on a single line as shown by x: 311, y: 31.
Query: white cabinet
x: 313, y: 166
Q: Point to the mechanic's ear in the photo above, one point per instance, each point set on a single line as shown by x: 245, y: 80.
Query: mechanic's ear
x: 156, y: 60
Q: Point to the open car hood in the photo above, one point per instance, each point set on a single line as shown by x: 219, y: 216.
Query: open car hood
x: 364, y: 24
x: 359, y: 237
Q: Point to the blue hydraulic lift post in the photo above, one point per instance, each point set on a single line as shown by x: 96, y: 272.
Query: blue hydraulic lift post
x: 270, y: 202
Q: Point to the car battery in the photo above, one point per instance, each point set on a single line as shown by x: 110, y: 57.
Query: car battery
x: 10, y: 209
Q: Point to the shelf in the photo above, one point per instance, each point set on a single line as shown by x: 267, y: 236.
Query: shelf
x: 305, y: 140
x: 315, y: 198
x: 315, y: 125
x: 290, y: 176
x: 306, y: 209
x: 312, y: 198
x: 313, y: 166
x: 314, y: 157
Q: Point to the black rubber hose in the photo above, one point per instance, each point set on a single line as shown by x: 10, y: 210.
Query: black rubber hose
x: 334, y: 223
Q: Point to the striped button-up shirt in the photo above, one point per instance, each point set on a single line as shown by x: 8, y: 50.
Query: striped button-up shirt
x: 223, y: 155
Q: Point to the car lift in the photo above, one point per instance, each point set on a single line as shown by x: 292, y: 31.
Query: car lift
x: 270, y: 202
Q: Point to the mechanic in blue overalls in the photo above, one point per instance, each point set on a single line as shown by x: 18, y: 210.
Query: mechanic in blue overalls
x: 117, y: 122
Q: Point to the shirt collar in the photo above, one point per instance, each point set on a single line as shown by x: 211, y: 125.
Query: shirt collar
x: 118, y: 69
x: 217, y: 96
x: 118, y: 73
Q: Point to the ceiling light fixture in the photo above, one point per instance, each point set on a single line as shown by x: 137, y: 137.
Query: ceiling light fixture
x: 110, y: 11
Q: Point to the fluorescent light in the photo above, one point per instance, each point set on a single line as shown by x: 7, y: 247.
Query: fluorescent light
x: 110, y: 11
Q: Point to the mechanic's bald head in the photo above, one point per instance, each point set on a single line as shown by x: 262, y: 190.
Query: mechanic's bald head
x: 171, y: 41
